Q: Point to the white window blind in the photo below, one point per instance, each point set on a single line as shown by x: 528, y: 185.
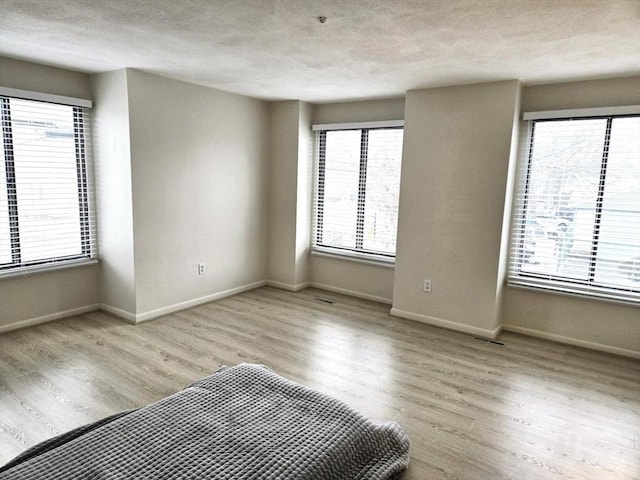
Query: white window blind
x: 357, y: 190
x: 576, y: 227
x: 46, y: 208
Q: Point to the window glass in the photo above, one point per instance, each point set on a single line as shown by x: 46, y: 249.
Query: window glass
x: 342, y: 176
x: 357, y: 190
x: 618, y: 249
x: 564, y: 177
x: 46, y: 180
x: 577, y: 222
x: 383, y: 190
x: 45, y: 209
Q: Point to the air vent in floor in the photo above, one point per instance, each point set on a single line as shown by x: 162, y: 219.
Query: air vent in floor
x: 323, y: 300
x: 488, y: 340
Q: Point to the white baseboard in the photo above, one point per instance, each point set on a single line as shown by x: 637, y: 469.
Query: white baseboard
x: 48, y: 318
x: 439, y: 322
x: 287, y: 286
x: 160, y: 312
x: 351, y: 293
x: 572, y: 341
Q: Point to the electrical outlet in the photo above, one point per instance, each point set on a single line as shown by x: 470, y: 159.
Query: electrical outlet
x: 201, y: 269
x: 426, y: 286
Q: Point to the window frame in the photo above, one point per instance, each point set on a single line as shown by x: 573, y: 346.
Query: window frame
x: 83, y: 161
x: 357, y: 253
x: 557, y: 283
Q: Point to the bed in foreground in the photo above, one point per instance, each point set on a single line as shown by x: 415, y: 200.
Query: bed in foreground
x: 243, y: 422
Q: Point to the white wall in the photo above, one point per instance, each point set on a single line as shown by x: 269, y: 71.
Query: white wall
x: 41, y: 78
x: 283, y: 201
x: 45, y: 296
x: 39, y: 297
x: 365, y: 280
x: 363, y: 111
x: 370, y: 281
x: 112, y: 152
x: 591, y: 323
x: 589, y: 94
x: 183, y: 177
x: 290, y: 168
x: 305, y: 194
x: 199, y: 163
x: 455, y: 171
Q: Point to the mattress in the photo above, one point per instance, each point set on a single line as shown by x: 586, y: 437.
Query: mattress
x: 241, y: 422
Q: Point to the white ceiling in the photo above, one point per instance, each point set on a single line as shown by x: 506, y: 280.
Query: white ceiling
x: 277, y: 49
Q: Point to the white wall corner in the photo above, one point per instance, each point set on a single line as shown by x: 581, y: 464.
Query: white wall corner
x: 507, y: 214
x: 304, y: 194
x: 448, y: 324
x: 118, y: 312
x: 161, y: 312
x: 288, y: 286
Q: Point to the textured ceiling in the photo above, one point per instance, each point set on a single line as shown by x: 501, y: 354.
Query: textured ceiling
x: 277, y: 49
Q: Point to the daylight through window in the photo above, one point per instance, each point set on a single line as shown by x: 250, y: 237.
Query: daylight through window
x: 577, y: 220
x: 357, y: 190
x: 45, y: 207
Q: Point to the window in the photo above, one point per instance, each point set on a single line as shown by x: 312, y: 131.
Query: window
x: 357, y: 189
x: 577, y: 212
x: 45, y: 208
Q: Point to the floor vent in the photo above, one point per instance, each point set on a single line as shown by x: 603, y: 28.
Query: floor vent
x: 323, y: 300
x: 488, y: 340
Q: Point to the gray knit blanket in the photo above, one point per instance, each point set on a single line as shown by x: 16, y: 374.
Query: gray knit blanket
x: 243, y: 422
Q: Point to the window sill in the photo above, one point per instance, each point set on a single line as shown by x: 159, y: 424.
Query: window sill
x: 367, y: 259
x: 26, y: 271
x: 576, y: 291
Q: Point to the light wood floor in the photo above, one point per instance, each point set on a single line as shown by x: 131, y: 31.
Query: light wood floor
x: 530, y: 409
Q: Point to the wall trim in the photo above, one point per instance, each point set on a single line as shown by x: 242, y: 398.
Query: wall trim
x: 287, y: 286
x: 160, y: 312
x: 118, y: 312
x: 351, y: 293
x: 32, y: 322
x: 572, y: 341
x: 448, y: 324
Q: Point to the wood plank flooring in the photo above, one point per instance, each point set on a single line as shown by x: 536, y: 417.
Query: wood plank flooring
x: 530, y: 409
